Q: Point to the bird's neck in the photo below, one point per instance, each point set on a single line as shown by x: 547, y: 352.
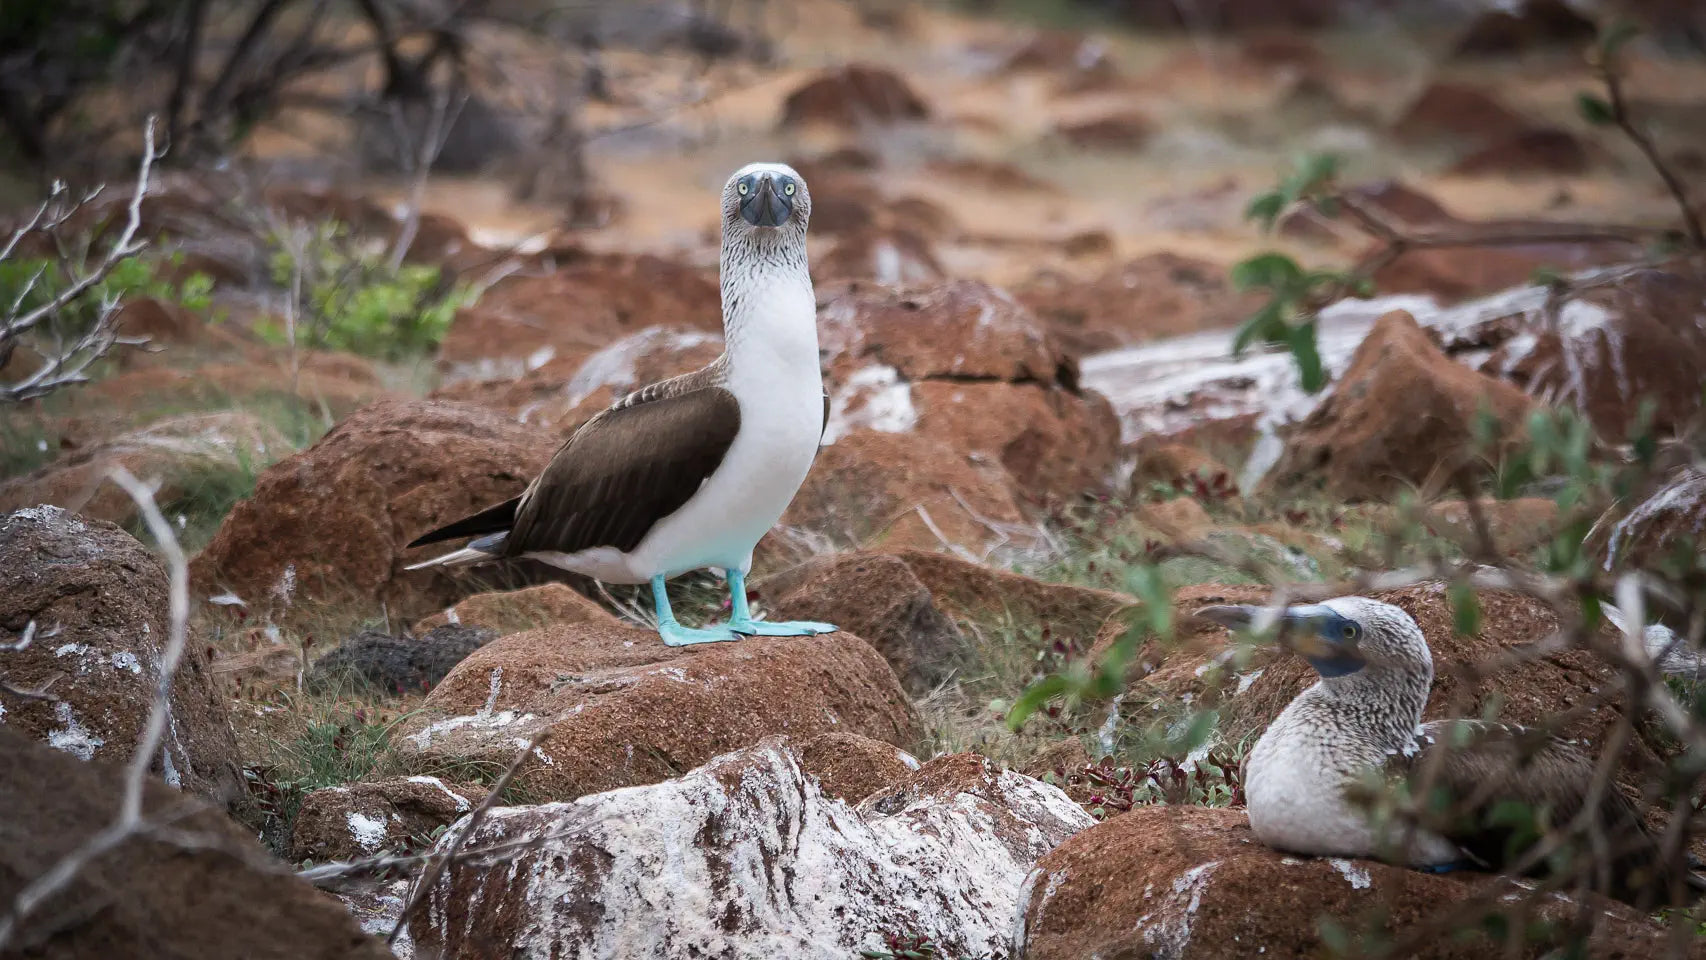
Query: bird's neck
x: 1385, y: 703
x: 769, y: 314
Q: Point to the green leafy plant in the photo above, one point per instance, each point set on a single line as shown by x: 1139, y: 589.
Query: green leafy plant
x: 32, y: 282
x: 351, y: 298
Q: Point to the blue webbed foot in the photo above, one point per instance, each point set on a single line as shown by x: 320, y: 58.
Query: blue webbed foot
x: 676, y: 635
x: 784, y: 628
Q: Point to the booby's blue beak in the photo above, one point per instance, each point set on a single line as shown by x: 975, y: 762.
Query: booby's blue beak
x: 1327, y: 639
x: 764, y: 202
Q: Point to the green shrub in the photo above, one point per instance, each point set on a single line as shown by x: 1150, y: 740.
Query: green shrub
x: 352, y: 298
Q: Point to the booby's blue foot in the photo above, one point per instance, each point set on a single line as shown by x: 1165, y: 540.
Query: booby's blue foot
x: 1447, y: 867
x: 785, y: 628
x: 742, y: 622
x: 676, y: 635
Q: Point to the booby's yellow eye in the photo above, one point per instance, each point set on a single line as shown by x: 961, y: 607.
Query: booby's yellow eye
x: 1349, y: 630
x: 742, y: 187
x: 789, y: 189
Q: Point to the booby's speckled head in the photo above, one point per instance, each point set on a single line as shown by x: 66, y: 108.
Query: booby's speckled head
x: 766, y: 198
x: 1339, y: 636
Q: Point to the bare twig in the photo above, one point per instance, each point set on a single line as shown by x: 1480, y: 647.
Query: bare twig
x: 423, y: 886
x: 1610, y: 74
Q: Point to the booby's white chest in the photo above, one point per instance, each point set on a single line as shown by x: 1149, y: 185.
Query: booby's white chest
x: 1294, y: 790
x: 775, y: 377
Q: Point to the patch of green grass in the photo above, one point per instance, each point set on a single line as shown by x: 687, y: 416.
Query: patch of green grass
x: 25, y: 446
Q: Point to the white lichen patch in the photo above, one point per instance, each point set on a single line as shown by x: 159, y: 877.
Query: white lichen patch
x: 369, y: 832
x: 462, y: 804
x: 477, y: 721
x: 616, y: 366
x: 874, y: 398
x: 1357, y: 876
x: 72, y: 736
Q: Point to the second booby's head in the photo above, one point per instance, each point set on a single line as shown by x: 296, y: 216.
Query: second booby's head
x: 1339, y: 637
x: 766, y: 198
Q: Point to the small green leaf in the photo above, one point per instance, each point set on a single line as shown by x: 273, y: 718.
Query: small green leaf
x: 1311, y: 374
x: 1595, y: 110
x: 1465, y: 609
x: 1265, y: 209
x: 1271, y: 271
x: 1035, y: 697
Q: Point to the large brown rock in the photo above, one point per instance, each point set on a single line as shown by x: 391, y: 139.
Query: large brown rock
x: 223, y: 896
x: 512, y: 611
x: 525, y: 320
x: 852, y: 96
x: 889, y: 256
x: 988, y: 596
x: 1402, y: 413
x: 1455, y: 111
x: 746, y: 858
x: 1530, y: 25
x: 177, y: 455
x: 875, y: 596
x: 970, y: 368
x: 1611, y: 348
x: 620, y: 708
x: 567, y: 391
x: 97, y: 601
x: 885, y: 490
x: 331, y: 522
x: 1669, y: 525
x: 398, y: 814
x: 1154, y: 296
x: 1538, y: 150
x: 1193, y: 883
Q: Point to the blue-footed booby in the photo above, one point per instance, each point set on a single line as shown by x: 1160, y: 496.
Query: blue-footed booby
x: 688, y: 473
x: 1302, y: 778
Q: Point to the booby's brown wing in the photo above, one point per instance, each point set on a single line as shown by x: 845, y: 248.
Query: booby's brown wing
x: 1492, y: 771
x: 625, y: 470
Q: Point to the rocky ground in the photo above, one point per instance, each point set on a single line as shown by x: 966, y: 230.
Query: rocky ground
x: 1040, y: 448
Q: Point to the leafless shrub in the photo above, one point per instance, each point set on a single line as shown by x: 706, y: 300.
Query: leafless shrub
x: 60, y: 307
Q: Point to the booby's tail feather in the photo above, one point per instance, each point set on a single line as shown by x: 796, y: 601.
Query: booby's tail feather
x: 490, y: 520
x: 477, y: 551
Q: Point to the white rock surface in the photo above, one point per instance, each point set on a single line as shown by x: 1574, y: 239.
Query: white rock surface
x: 746, y: 858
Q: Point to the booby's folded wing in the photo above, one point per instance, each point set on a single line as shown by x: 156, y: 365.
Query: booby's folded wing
x: 625, y: 470
x: 1492, y: 771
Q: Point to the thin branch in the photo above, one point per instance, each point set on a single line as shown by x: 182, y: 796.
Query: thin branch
x: 1612, y: 77
x: 424, y: 885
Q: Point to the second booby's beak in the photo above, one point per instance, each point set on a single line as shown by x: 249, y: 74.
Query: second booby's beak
x: 1313, y: 631
x: 766, y: 205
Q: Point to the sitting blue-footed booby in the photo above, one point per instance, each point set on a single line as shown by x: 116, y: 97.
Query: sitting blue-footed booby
x: 688, y: 473
x: 1303, y: 777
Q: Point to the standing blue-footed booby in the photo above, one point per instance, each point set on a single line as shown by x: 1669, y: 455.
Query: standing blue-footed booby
x: 688, y: 473
x: 1365, y: 714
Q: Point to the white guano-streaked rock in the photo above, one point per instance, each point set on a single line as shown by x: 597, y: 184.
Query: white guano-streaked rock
x: 745, y: 857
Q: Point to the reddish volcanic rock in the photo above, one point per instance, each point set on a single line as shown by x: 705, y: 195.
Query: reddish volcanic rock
x: 620, y: 708
x: 1123, y: 130
x: 1191, y: 882
x: 1458, y: 112
x: 525, y: 320
x: 1153, y: 296
x: 850, y: 767
x: 892, y: 257
x: 94, y: 602
x: 962, y: 329
x: 1526, y: 26
x: 221, y: 895
x: 331, y: 522
x: 1403, y: 413
x: 1052, y: 442
x: 875, y: 596
x: 364, y: 819
x: 852, y: 96
x: 511, y: 611
x: 1545, y: 150
x: 1640, y: 338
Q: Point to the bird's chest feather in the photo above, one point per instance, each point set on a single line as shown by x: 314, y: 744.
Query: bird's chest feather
x: 1295, y: 784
